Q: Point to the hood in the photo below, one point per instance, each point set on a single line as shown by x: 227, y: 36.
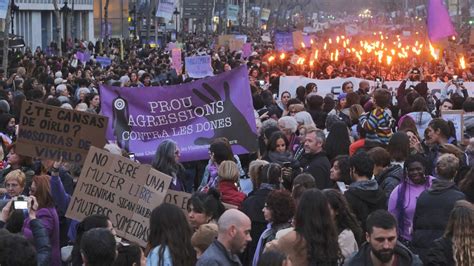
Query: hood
x: 367, y: 191
x: 394, y: 170
x: 440, y: 185
x: 421, y: 118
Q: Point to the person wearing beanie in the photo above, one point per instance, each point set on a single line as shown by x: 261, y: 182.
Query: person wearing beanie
x: 203, y: 238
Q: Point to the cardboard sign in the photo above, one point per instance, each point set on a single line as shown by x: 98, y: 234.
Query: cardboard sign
x: 123, y: 190
x: 265, y: 14
x: 224, y: 40
x: 235, y: 45
x: 50, y: 132
x: 457, y: 117
x: 179, y: 199
x: 297, y: 39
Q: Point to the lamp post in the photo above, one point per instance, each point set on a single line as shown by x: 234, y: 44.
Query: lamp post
x: 176, y: 13
x: 65, y: 9
x: 15, y: 8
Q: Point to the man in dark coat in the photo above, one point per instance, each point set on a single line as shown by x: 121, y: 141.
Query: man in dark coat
x: 364, y: 195
x: 315, y: 161
x: 434, y: 206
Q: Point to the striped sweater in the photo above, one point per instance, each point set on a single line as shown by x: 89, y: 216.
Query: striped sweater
x: 378, y: 124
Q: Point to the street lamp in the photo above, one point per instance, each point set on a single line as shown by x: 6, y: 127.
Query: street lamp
x: 14, y: 10
x: 65, y: 9
x: 176, y: 13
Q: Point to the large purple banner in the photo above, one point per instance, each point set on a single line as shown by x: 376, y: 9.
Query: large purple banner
x: 192, y: 114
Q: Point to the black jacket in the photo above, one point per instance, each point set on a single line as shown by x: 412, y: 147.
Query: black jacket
x: 390, y: 178
x: 404, y: 256
x: 364, y: 197
x: 433, y: 208
x: 42, y: 244
x: 318, y: 166
x: 252, y: 207
x: 217, y: 255
x: 441, y: 253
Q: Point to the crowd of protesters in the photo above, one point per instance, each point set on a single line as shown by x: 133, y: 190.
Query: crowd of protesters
x: 365, y: 177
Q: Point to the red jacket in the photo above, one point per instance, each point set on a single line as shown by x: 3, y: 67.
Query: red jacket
x: 230, y: 194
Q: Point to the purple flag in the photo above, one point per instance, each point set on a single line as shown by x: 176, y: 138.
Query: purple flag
x: 192, y: 114
x: 439, y: 22
x: 83, y: 56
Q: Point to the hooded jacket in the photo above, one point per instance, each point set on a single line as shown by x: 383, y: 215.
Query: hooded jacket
x: 404, y: 256
x: 390, y: 178
x: 422, y: 119
x: 364, y: 197
x: 432, y: 214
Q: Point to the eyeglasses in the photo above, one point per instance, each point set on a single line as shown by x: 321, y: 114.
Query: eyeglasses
x: 9, y: 185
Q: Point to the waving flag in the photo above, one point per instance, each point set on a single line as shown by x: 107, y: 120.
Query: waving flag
x: 439, y: 22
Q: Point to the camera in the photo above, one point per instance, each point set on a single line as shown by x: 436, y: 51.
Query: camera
x: 20, y: 204
x: 415, y: 71
x: 131, y: 156
x: 261, y: 82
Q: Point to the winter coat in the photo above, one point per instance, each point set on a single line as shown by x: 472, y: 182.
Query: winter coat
x: 390, y: 178
x: 432, y: 214
x: 364, y: 197
x: 404, y: 256
x: 230, y: 194
x: 441, y: 253
x: 422, y: 119
x: 318, y: 166
x: 217, y: 255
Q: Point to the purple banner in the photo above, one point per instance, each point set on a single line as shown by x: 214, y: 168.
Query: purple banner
x: 246, y: 50
x: 83, y: 56
x: 284, y: 41
x: 192, y: 114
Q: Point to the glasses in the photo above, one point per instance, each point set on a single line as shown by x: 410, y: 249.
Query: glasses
x: 14, y: 185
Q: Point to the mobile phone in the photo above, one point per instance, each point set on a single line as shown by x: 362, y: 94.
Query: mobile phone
x: 20, y: 204
x: 287, y: 164
x: 261, y: 82
x: 131, y: 156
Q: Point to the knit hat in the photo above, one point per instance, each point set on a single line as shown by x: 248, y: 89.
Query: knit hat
x: 204, y: 236
x: 58, y: 74
x: 58, y: 81
x: 341, y: 96
x: 4, y: 106
x: 60, y: 88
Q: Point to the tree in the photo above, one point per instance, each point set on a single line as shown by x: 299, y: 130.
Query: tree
x: 6, y: 40
x: 58, y: 26
x: 106, y: 23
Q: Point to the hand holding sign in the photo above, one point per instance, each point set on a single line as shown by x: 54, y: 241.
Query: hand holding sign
x: 230, y: 111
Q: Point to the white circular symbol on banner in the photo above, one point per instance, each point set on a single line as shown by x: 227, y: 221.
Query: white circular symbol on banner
x: 119, y: 104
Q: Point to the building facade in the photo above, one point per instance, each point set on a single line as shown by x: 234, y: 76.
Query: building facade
x: 36, y: 22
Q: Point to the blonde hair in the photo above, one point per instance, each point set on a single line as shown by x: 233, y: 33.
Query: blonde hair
x: 460, y: 229
x: 228, y: 171
x: 16, y: 175
x: 447, y: 166
x: 254, y: 167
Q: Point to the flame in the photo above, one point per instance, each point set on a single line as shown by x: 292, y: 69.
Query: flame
x: 332, y: 56
x: 325, y: 46
x: 389, y: 60
x: 271, y: 58
x: 462, y: 62
x: 303, y: 45
x: 282, y: 56
x: 311, y: 63
x: 338, y: 39
x: 433, y: 53
x: 316, y: 54
x: 311, y: 41
x: 336, y: 57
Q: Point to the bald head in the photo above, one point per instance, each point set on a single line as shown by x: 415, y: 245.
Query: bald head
x: 232, y: 217
x: 234, y: 230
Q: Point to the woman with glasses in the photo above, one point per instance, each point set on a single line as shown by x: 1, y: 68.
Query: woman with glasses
x: 167, y: 161
x: 14, y: 184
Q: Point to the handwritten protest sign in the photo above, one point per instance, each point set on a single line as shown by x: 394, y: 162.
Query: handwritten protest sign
x: 121, y: 189
x: 180, y: 199
x: 284, y: 41
x: 457, y: 117
x: 235, y: 45
x: 176, y: 60
x: 199, y: 66
x: 265, y: 14
x: 50, y: 132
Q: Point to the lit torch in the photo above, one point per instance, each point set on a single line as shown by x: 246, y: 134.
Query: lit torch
x: 462, y: 63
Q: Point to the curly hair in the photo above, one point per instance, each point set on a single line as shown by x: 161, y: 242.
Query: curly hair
x: 345, y: 218
x: 460, y: 229
x: 282, y: 206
